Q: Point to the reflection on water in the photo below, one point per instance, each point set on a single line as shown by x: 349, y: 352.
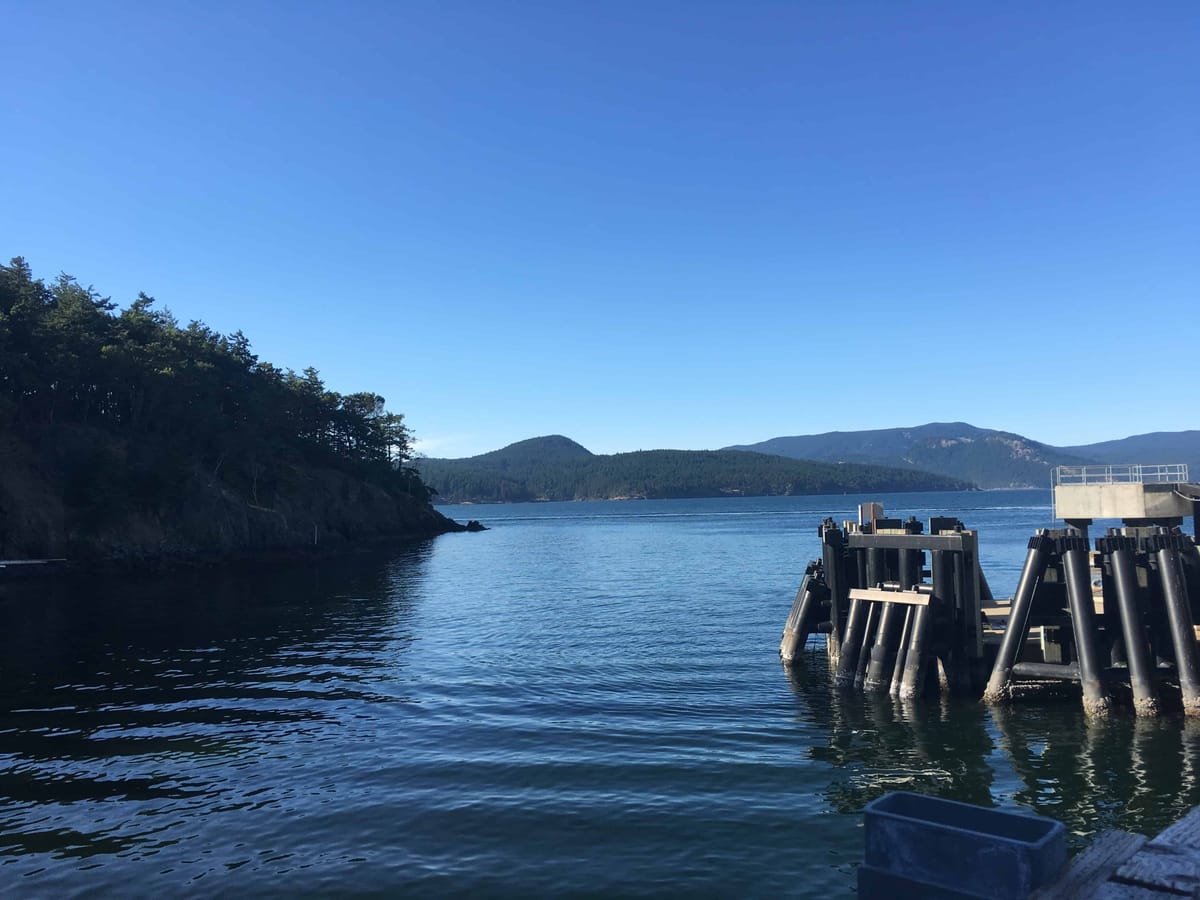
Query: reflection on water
x: 1127, y: 773
x: 131, y: 706
x: 875, y: 743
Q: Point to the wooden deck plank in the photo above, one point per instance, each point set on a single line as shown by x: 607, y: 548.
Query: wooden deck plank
x: 875, y: 595
x: 1091, y: 868
x: 1163, y: 867
x: 1184, y: 833
x: 1113, y: 890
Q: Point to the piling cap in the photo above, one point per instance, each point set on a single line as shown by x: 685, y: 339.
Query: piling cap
x: 1069, y: 542
x: 1114, y: 542
x: 1041, y: 541
x: 1155, y: 542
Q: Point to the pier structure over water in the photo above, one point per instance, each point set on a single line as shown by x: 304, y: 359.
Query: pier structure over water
x: 1137, y: 495
x: 1119, y: 621
x: 1140, y: 629
x: 891, y: 623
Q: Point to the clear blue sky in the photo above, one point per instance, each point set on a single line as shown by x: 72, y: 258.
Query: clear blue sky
x: 645, y: 224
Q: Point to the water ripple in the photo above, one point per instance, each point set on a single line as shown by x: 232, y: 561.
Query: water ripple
x: 584, y: 700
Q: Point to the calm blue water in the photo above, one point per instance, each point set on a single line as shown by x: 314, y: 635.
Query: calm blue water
x: 584, y: 700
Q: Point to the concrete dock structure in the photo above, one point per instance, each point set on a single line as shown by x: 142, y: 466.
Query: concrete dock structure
x: 904, y: 609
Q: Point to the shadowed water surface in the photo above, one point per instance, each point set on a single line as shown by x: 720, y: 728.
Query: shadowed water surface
x: 585, y: 700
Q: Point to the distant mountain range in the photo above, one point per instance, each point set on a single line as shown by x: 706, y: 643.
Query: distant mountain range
x: 1153, y: 448
x: 936, y: 456
x: 557, y: 468
x: 989, y: 458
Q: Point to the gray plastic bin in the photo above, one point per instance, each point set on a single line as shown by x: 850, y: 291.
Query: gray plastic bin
x: 969, y: 850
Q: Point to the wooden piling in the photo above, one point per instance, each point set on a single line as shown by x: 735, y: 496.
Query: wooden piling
x: 1119, y: 551
x: 916, y: 659
x: 1179, y: 614
x: 868, y: 641
x: 883, y: 653
x: 797, y: 627
x: 1074, y: 552
x: 834, y: 569
x: 856, y: 622
x: 902, y: 651
x: 999, y: 685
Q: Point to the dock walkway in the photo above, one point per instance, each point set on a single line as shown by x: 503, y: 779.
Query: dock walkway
x: 1123, y: 866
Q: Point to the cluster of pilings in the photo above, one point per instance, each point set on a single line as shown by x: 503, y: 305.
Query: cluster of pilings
x: 1121, y: 622
x: 1141, y: 637
x: 891, y: 624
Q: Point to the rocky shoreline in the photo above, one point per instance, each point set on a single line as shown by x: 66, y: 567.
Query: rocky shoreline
x: 318, y: 512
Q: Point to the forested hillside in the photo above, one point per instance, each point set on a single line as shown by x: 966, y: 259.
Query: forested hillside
x: 126, y: 433
x: 1155, y: 448
x: 556, y: 468
x: 989, y: 458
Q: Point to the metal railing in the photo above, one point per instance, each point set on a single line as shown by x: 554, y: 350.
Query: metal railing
x: 1175, y: 473
x: 1131, y: 474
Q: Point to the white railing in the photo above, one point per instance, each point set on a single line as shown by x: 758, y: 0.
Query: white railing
x: 1131, y: 474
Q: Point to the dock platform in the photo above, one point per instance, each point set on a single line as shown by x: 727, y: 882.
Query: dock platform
x: 1123, y: 866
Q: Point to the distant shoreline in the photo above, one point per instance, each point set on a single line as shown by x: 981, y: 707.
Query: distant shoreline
x: 437, y: 503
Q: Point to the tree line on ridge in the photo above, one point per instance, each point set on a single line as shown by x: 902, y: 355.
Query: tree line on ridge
x: 126, y: 403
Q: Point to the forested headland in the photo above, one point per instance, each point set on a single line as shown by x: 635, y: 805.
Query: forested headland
x: 125, y: 434
x: 557, y: 468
